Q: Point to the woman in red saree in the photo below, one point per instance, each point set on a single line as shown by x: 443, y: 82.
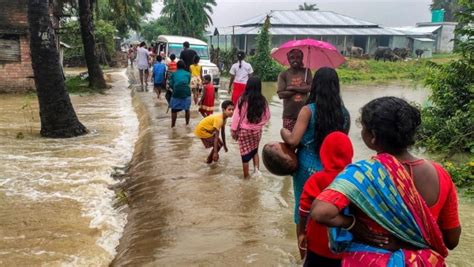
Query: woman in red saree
x: 403, y: 209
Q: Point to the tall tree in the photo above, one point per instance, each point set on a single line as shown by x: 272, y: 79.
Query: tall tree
x: 310, y: 7
x: 96, y: 77
x: 189, y: 17
x: 451, y: 7
x: 58, y: 118
x: 124, y: 14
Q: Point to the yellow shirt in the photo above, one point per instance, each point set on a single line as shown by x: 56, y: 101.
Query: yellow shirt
x: 195, y: 70
x: 206, y: 127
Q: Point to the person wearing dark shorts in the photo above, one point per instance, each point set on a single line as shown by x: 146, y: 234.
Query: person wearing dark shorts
x: 159, y: 76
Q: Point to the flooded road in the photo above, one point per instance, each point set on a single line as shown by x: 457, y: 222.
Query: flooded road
x: 56, y: 208
x: 186, y: 213
x: 55, y: 205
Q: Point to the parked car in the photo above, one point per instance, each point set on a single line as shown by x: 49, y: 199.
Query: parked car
x: 174, y: 45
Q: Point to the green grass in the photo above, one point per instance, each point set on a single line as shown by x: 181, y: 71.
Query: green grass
x: 76, y: 86
x: 370, y: 71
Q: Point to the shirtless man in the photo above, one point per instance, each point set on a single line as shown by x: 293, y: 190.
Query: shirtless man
x: 294, y: 84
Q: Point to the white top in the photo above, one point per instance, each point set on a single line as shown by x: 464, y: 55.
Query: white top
x: 142, y: 58
x: 241, y: 74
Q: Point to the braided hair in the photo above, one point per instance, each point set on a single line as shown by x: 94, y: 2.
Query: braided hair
x: 240, y: 57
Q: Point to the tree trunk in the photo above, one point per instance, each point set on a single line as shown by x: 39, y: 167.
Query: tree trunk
x: 58, y: 118
x: 96, y: 77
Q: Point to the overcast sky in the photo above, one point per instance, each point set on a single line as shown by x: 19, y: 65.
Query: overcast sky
x: 383, y: 12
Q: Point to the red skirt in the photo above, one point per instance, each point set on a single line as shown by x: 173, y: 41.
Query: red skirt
x: 248, y: 143
x: 237, y: 90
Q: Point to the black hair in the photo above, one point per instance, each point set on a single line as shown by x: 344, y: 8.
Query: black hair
x: 226, y: 104
x: 142, y: 44
x: 393, y: 121
x: 240, y: 57
x: 172, y: 56
x: 196, y: 59
x: 159, y: 58
x: 295, y: 50
x: 186, y: 44
x: 325, y: 93
x: 256, y: 102
x: 207, y: 77
x: 181, y: 65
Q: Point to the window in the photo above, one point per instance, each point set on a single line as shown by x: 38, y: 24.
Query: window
x: 10, y: 48
x: 201, y: 50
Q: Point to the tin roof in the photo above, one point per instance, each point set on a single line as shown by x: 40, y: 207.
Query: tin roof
x: 302, y: 18
x: 310, y: 31
x: 414, y: 30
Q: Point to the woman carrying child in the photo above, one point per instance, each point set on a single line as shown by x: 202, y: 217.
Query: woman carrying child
x: 206, y: 104
x: 196, y: 78
x: 250, y: 115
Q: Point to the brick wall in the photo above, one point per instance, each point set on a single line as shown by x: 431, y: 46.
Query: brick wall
x: 17, y: 77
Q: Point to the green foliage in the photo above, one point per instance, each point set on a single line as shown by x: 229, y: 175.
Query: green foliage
x: 264, y: 66
x: 310, y: 7
x: 448, y: 125
x: 462, y: 174
x: 152, y: 29
x: 188, y: 18
x: 104, y: 36
x: 77, y: 86
x: 123, y: 14
x: 451, y: 7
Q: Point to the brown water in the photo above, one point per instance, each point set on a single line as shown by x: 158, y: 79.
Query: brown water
x: 56, y: 208
x: 186, y: 213
x: 55, y: 205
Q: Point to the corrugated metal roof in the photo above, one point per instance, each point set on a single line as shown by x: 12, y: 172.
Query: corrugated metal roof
x: 413, y: 30
x: 307, y: 19
x: 424, y: 39
x: 311, y: 31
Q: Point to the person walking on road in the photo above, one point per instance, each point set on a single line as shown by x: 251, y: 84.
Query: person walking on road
x: 187, y: 55
x: 142, y: 63
x: 239, y: 75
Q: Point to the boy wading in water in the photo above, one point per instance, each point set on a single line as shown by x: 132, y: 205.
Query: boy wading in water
x: 209, y: 127
x: 294, y: 85
x: 159, y: 76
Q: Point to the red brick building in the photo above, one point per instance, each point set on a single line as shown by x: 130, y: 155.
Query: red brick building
x: 16, y: 73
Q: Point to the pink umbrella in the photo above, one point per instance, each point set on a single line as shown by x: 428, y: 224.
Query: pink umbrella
x: 317, y: 54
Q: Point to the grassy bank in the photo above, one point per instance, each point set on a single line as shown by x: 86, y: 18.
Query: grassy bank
x: 367, y: 71
x: 77, y: 86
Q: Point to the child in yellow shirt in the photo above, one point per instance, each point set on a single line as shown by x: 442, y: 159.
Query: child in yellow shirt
x: 209, y: 127
x: 196, y: 78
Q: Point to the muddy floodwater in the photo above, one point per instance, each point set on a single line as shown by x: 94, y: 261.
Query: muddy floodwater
x: 186, y: 213
x: 56, y: 206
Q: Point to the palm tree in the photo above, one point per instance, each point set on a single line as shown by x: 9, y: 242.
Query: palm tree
x: 58, y: 118
x: 189, y: 17
x: 310, y: 7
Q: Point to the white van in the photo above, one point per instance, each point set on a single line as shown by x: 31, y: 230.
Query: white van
x: 174, y: 45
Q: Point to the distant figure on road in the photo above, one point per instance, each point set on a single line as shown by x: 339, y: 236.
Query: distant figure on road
x: 131, y: 55
x: 181, y: 98
x: 142, y: 62
x: 206, y: 104
x: 187, y: 55
x: 159, y: 76
x: 294, y: 85
x: 239, y: 75
x: 196, y: 79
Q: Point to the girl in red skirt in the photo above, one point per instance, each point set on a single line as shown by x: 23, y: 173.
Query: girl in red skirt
x: 239, y: 75
x: 250, y: 115
x: 206, y: 105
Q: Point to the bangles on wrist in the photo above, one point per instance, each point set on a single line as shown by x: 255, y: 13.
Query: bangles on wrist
x: 352, y: 224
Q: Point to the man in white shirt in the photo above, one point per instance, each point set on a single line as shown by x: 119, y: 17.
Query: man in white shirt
x: 142, y: 64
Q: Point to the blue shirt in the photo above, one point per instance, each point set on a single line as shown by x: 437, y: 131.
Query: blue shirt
x: 159, y: 71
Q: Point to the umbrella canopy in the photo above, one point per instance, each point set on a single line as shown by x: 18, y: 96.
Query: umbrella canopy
x: 317, y: 54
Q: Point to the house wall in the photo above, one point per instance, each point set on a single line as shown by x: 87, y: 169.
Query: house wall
x: 16, y: 77
x: 399, y: 42
x: 445, y: 37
